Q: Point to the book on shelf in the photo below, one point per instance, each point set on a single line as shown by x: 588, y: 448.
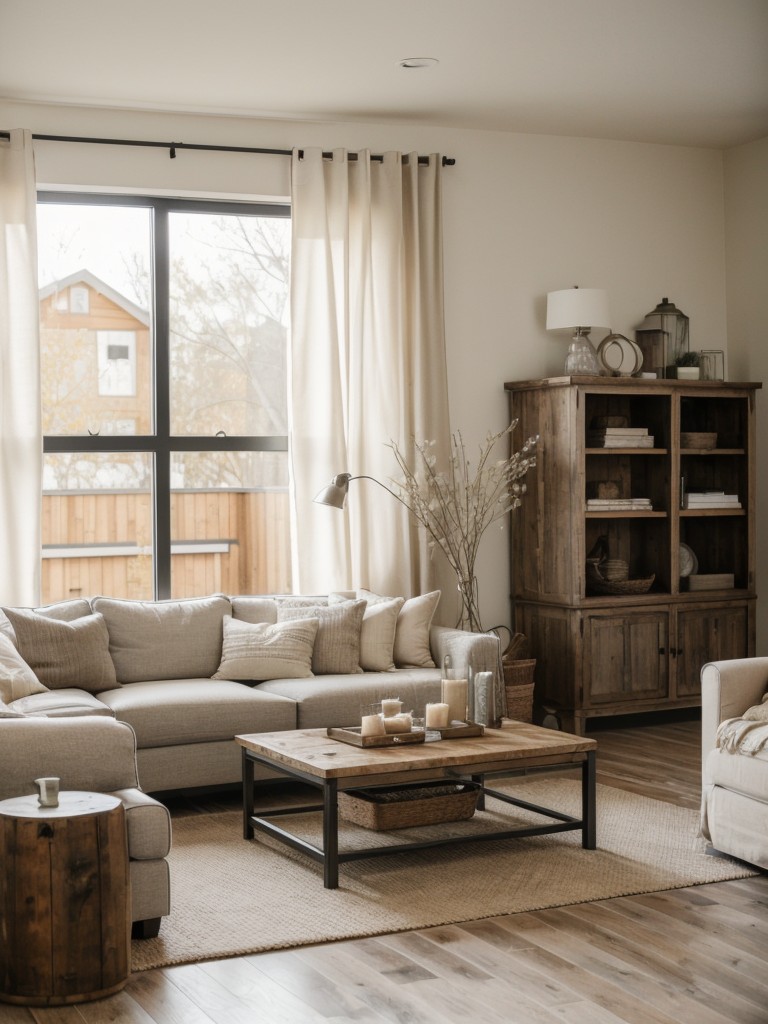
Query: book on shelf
x: 710, y: 499
x: 597, y: 439
x: 620, y: 431
x: 619, y: 505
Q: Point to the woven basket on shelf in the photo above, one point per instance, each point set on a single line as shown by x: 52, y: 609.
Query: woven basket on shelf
x: 409, y: 806
x: 518, y: 685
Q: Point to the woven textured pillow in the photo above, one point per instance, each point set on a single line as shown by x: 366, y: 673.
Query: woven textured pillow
x: 337, y: 645
x: 377, y: 636
x: 255, y: 651
x: 16, y: 677
x: 66, y: 611
x: 64, y: 654
x: 414, y: 619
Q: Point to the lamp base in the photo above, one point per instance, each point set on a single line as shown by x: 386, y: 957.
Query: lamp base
x: 582, y: 358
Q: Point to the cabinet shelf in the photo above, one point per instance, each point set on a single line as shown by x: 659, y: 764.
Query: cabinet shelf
x: 626, y: 514
x: 626, y: 451
x: 626, y: 652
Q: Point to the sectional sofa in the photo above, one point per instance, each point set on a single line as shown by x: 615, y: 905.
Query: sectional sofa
x: 145, y: 697
x: 189, y: 675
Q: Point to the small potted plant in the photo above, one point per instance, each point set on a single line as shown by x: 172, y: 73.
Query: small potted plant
x: 688, y: 366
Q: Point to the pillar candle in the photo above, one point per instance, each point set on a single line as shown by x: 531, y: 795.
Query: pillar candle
x: 437, y: 716
x: 454, y: 693
x: 391, y: 706
x: 372, y: 725
x: 397, y: 723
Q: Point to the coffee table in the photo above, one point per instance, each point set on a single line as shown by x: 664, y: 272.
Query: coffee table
x: 330, y: 766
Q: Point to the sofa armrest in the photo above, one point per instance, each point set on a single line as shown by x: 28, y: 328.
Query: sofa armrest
x: 93, y: 754
x: 728, y: 688
x: 478, y: 651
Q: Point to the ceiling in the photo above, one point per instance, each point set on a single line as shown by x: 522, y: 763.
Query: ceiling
x: 687, y: 72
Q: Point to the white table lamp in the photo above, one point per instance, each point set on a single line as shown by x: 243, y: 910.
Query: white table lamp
x: 579, y: 310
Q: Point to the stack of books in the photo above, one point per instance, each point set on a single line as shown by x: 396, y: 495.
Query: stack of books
x: 710, y: 499
x: 619, y: 437
x: 619, y: 505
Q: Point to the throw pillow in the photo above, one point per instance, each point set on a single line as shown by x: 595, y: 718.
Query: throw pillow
x: 377, y: 636
x: 254, y: 651
x: 164, y: 639
x: 412, y: 633
x: 337, y: 646
x: 64, y: 654
x: 16, y: 677
x: 64, y: 610
x: 255, y: 609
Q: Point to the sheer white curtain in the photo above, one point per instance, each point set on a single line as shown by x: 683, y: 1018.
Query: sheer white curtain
x: 20, y: 424
x: 367, y: 361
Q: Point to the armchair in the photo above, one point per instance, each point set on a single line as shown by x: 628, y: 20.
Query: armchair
x: 96, y: 754
x: 734, y: 799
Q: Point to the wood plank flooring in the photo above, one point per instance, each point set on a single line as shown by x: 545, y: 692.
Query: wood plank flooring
x: 688, y: 956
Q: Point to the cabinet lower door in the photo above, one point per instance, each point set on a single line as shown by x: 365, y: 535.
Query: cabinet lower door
x: 708, y: 634
x: 626, y: 657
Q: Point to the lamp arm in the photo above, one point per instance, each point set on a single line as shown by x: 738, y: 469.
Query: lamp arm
x: 363, y: 476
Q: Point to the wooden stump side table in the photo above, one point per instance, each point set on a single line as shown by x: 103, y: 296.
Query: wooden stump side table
x: 64, y: 899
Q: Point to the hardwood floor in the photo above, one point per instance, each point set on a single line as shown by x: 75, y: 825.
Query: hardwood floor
x: 693, y: 956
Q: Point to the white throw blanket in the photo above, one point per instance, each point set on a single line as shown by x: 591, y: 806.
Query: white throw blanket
x: 744, y: 736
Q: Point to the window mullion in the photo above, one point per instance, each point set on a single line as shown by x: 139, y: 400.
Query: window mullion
x: 162, y: 411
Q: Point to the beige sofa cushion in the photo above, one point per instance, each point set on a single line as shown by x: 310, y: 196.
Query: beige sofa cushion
x: 257, y: 650
x: 339, y: 700
x: 65, y: 702
x: 255, y: 609
x: 65, y: 654
x: 169, y: 712
x: 164, y: 639
x: 16, y: 677
x: 337, y: 644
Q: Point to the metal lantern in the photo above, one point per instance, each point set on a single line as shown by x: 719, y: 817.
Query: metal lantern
x: 663, y: 338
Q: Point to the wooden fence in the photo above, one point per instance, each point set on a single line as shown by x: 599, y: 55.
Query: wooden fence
x: 232, y: 542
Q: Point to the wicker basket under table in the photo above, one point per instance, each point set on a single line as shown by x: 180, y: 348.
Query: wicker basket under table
x: 428, y: 803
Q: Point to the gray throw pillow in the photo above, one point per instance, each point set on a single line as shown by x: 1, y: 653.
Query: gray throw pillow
x: 65, y: 654
x: 337, y: 645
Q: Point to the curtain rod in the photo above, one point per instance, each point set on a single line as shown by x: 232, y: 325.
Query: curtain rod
x: 447, y: 161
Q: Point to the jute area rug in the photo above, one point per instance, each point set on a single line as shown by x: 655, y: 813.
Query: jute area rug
x: 231, y: 897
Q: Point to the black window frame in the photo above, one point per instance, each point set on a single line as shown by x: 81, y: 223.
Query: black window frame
x: 161, y: 445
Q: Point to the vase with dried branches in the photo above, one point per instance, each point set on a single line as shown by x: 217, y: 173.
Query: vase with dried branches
x: 456, y: 505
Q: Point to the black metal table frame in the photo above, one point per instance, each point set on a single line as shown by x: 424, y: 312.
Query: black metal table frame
x: 329, y: 855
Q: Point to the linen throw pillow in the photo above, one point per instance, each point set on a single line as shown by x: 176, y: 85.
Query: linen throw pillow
x: 255, y: 651
x: 377, y: 635
x: 64, y: 654
x: 412, y: 633
x: 64, y: 610
x: 16, y: 677
x: 337, y: 645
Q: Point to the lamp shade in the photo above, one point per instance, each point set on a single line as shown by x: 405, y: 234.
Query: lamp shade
x: 335, y: 494
x: 570, y: 308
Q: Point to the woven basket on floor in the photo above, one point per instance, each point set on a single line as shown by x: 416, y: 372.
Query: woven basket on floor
x: 409, y: 806
x: 518, y: 685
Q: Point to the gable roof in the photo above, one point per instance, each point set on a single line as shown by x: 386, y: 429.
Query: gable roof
x: 89, y: 279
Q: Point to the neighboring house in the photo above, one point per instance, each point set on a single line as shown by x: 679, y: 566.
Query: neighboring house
x: 95, y: 359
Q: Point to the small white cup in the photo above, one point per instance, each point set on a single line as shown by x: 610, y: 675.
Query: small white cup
x: 48, y: 792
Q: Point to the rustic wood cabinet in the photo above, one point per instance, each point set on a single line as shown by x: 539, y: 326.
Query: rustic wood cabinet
x: 659, y: 475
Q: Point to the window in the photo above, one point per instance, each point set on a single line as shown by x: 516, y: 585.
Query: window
x: 116, y: 362
x: 165, y: 399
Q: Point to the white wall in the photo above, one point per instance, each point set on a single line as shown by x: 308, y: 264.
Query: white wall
x: 746, y: 207
x: 523, y: 214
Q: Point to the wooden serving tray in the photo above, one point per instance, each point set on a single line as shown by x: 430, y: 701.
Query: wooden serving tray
x: 351, y: 734
x: 459, y: 732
